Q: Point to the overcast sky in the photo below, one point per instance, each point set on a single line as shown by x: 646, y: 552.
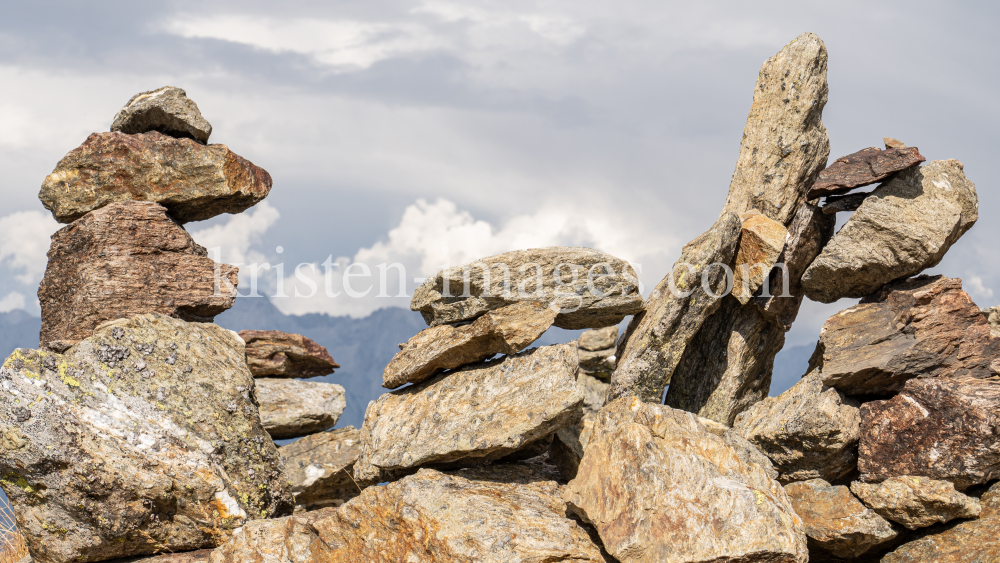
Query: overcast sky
x: 438, y: 132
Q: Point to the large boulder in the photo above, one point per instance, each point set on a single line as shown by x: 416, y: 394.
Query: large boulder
x: 471, y: 416
x: 507, y: 330
x: 591, y: 288
x: 863, y: 168
x: 272, y: 353
x: 916, y: 502
x: 123, y: 260
x: 658, y: 485
x: 319, y: 468
x: 809, y: 432
x: 904, y: 227
x: 167, y: 110
x: 290, y: 408
x: 944, y: 429
x: 143, y: 437
x: 193, y: 181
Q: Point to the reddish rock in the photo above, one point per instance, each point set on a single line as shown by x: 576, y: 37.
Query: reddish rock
x: 272, y: 353
x: 863, y: 168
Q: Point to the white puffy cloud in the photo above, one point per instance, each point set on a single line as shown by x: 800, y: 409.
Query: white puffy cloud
x: 11, y: 301
x: 24, y: 240
x: 231, y: 242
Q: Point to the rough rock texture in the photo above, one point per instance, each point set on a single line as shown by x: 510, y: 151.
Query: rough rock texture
x: 992, y: 316
x: 507, y: 330
x: 905, y: 226
x: 319, y: 468
x: 891, y: 143
x: 167, y: 110
x: 596, y: 340
x: 658, y: 486
x: 568, y: 443
x: 810, y: 431
x: 200, y: 556
x: 193, y: 181
x: 920, y: 327
x: 272, y: 353
x: 477, y: 414
x: 141, y: 438
x: 849, y: 202
x: 863, y: 168
x: 761, y: 243
x: 597, y: 352
x: 498, y: 514
x: 916, y: 502
x: 290, y: 408
x: 945, y: 429
x: 579, y: 280
x: 123, y: 260
x: 835, y: 521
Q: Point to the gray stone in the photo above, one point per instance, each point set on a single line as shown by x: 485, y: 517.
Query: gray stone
x: 916, y: 502
x: 568, y: 443
x: 599, y: 339
x: 290, y: 408
x: 167, y: 110
x: 319, y: 468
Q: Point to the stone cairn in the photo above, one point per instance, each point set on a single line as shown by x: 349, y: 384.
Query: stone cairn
x: 138, y: 427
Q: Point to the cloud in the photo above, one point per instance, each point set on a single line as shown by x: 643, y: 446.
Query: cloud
x: 24, y: 241
x: 975, y: 285
x: 234, y: 238
x: 11, y: 301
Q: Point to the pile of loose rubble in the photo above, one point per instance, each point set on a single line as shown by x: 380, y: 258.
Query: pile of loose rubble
x: 140, y: 428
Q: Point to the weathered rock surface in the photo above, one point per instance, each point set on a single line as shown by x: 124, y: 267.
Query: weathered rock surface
x: 944, y: 429
x: 477, y: 414
x: 993, y: 318
x: 597, y: 352
x: 849, y: 202
x: 141, y: 438
x: 123, y: 260
x: 193, y: 181
x: 904, y: 226
x: 568, y: 443
x: 272, y: 353
x: 319, y: 468
x: 920, y: 327
x: 863, y: 168
x: 835, y: 521
x: 507, y: 330
x: 290, y: 408
x: 761, y: 242
x: 593, y: 289
x: 200, y: 556
x: 498, y: 514
x: 596, y: 340
x: 167, y: 110
x: 658, y: 486
x: 809, y: 432
x: 916, y: 502
x: 891, y: 143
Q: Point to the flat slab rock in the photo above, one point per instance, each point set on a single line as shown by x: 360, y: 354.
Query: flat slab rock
x: 273, y: 353
x: 319, y: 468
x: 167, y: 110
x: 506, y: 330
x: 658, y: 485
x: 905, y: 226
x: 290, y: 408
x: 123, y: 260
x: 863, y: 168
x: 916, y: 502
x: 143, y: 437
x: 193, y: 181
x: 836, y: 522
x: 593, y: 289
x: 471, y: 416
x: 923, y: 326
x: 944, y: 429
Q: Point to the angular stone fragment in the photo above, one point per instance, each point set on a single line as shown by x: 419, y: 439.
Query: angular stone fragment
x: 944, y: 429
x: 598, y: 339
x: 916, y: 502
x: 272, y: 353
x: 471, y: 416
x: 123, y: 260
x: 167, y: 110
x: 597, y: 352
x: 891, y: 143
x: 507, y: 330
x: 809, y: 432
x: 992, y: 316
x: 863, y: 168
x: 761, y: 242
x: 835, y: 521
x: 593, y: 289
x: 193, y: 181
x: 920, y: 327
x: 319, y: 468
x: 141, y: 438
x: 290, y: 408
x: 658, y: 486
x: 905, y: 226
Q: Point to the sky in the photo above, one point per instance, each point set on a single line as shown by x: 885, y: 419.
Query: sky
x: 435, y: 132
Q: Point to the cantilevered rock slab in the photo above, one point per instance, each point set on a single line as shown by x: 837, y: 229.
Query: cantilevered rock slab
x: 319, y: 468
x: 193, y: 181
x: 471, y: 416
x: 272, y: 353
x: 167, y: 110
x: 916, y: 502
x: 143, y: 437
x: 506, y: 330
x: 836, y: 522
x: 761, y: 242
x: 290, y: 408
x: 863, y: 168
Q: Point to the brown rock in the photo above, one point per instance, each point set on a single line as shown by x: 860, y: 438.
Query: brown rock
x: 319, y: 468
x: 597, y: 352
x: 835, y: 521
x: 598, y: 339
x: 272, y: 353
x: 193, y: 181
x: 568, y: 443
x: 916, y: 502
x: 200, y: 556
x: 975, y: 541
x: 944, y: 429
x: 167, y: 110
x: 507, y: 330
x: 863, y: 168
x: 920, y: 327
x: 761, y: 242
x: 290, y: 408
x: 123, y: 260
x: 891, y: 143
